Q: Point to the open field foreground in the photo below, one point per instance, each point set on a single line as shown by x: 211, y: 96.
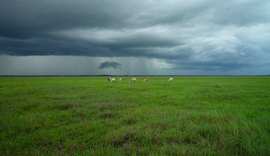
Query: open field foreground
x: 90, y: 116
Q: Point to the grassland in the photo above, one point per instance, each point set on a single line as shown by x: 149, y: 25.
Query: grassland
x: 89, y: 116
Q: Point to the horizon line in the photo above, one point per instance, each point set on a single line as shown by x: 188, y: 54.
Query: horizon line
x: 103, y: 75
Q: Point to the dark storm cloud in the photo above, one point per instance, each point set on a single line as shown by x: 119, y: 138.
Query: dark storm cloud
x: 195, y: 34
x: 107, y: 64
x: 30, y: 18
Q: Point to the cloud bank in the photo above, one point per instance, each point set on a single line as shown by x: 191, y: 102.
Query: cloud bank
x: 191, y: 35
x: 107, y: 64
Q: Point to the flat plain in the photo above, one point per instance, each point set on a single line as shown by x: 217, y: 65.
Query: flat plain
x: 222, y: 115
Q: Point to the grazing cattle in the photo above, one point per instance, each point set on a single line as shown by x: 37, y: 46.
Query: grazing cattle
x: 145, y: 79
x: 133, y: 80
x: 170, y: 79
x: 120, y: 79
x: 111, y: 79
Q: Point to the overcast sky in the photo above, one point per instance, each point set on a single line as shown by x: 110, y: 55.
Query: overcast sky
x: 186, y: 37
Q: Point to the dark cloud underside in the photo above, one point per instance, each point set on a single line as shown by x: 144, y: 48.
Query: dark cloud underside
x: 107, y: 64
x: 194, y: 35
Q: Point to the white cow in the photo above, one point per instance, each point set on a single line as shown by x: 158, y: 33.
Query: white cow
x: 170, y: 79
x: 133, y: 80
x: 145, y: 79
x: 111, y: 79
x: 120, y: 79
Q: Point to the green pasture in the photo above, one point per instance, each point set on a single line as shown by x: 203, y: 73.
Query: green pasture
x: 226, y: 115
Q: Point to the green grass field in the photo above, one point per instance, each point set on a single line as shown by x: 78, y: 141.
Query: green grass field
x: 89, y: 116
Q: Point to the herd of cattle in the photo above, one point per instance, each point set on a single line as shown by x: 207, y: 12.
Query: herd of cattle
x: 132, y: 80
